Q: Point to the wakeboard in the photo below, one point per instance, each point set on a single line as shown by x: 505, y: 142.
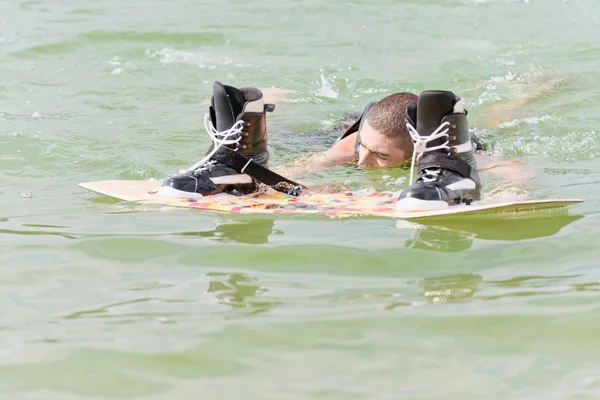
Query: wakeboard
x: 336, y: 204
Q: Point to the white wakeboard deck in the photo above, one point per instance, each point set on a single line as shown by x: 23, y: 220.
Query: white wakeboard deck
x: 145, y: 192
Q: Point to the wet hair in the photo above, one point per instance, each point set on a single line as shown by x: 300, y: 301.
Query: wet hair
x: 387, y: 116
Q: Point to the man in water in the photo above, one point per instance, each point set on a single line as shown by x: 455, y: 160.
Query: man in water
x: 402, y: 126
x: 382, y: 137
x: 379, y: 138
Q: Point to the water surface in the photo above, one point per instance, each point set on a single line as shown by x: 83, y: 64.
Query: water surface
x: 102, y: 299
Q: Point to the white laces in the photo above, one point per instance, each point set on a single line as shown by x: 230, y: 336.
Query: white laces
x: 431, y: 175
x: 420, y: 147
x: 230, y: 136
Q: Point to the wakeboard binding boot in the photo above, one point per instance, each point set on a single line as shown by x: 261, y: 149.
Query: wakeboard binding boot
x: 237, y: 126
x: 443, y: 152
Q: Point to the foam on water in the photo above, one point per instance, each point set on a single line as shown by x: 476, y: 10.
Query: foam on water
x: 528, y: 121
x: 326, y: 90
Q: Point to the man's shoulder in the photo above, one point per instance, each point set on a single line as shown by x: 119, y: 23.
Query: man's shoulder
x: 344, y: 146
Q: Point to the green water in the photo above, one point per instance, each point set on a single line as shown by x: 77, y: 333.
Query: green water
x: 104, y: 300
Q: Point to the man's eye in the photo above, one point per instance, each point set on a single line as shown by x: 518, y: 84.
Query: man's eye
x: 381, y: 157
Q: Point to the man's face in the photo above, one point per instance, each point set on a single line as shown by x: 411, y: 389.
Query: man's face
x: 376, y: 150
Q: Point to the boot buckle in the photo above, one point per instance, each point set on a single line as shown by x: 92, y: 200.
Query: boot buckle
x: 420, y: 146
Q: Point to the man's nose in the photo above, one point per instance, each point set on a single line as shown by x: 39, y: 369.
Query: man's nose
x: 365, y: 159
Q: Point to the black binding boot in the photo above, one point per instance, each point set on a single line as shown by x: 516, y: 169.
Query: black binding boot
x: 238, y: 129
x: 447, y: 171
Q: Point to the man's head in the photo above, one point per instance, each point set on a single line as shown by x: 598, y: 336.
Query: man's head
x: 384, y: 140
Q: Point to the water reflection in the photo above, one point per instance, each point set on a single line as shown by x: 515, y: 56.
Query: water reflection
x: 450, y: 288
x: 437, y: 290
x: 35, y: 233
x: 253, y: 231
x: 473, y: 287
x: 458, y: 234
x: 240, y: 291
x: 243, y: 293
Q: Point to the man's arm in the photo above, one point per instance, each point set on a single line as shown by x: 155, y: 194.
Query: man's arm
x: 513, y: 174
x: 342, y: 152
x: 514, y: 177
x: 274, y: 95
x: 499, y: 113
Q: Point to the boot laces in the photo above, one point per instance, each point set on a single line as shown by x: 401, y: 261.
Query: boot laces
x: 227, y: 137
x: 431, y: 175
x: 420, y: 147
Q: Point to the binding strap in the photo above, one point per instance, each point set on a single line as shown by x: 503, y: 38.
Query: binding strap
x: 357, y: 124
x: 436, y: 159
x: 248, y: 166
